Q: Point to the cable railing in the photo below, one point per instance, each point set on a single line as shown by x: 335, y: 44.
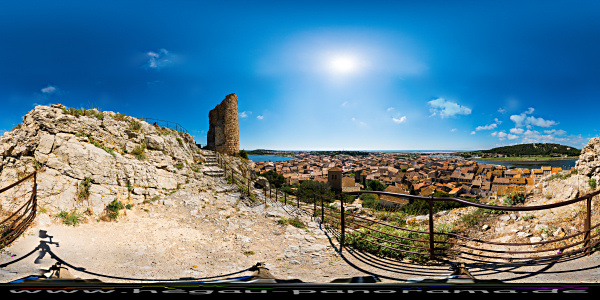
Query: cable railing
x: 429, y: 242
x: 168, y: 124
x: 17, y: 222
x: 433, y: 240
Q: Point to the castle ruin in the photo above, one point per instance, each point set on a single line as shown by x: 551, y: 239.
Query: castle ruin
x: 223, y: 127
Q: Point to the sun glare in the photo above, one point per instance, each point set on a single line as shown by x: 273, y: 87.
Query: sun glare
x: 343, y: 64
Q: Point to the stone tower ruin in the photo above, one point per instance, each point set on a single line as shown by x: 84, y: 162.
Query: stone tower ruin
x: 223, y: 127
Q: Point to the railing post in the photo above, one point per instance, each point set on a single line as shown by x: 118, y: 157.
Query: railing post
x: 431, y: 243
x: 322, y: 211
x: 342, y: 221
x: 587, y: 225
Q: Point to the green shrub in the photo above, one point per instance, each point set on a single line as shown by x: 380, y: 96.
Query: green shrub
x: 139, y: 151
x: 386, y: 241
x: 514, y: 198
x: 243, y: 154
x: 113, y: 209
x: 135, y: 125
x: 592, y: 183
x: 120, y: 117
x: 72, y: 218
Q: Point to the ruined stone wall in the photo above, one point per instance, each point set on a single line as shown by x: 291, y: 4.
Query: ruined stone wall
x: 223, y: 130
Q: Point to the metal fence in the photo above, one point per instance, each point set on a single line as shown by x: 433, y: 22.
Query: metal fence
x: 17, y: 222
x: 167, y: 124
x: 429, y: 242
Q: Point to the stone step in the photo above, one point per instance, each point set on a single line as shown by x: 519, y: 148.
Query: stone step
x: 214, y: 173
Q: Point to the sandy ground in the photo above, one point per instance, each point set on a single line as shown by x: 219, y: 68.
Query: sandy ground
x: 208, y: 236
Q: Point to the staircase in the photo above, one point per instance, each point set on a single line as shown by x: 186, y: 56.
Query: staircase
x: 211, y: 167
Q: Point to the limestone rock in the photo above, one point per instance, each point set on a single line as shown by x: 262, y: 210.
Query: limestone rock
x: 125, y: 158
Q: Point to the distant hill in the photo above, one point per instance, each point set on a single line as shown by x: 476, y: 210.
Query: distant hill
x: 536, y: 149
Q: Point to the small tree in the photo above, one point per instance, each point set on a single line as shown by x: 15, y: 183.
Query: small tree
x: 243, y: 154
x: 375, y: 185
x: 274, y: 178
x: 309, y: 189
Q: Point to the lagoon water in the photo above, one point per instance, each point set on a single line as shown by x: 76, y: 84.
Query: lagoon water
x: 261, y: 158
x: 564, y: 164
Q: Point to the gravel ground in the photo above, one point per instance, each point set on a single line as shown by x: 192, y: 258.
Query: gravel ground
x: 214, y: 235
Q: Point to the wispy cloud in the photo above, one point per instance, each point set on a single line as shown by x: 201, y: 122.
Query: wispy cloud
x: 486, y: 127
x: 359, y: 122
x: 244, y: 114
x: 260, y: 117
x: 159, y: 59
x: 49, y: 90
x: 445, y: 108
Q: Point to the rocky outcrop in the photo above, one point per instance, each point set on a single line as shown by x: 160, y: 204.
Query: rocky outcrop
x: 568, y: 184
x: 123, y: 158
x: 589, y: 160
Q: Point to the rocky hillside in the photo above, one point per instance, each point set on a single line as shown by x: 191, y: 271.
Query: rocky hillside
x: 89, y: 158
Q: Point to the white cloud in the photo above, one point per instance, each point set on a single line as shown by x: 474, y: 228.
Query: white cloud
x: 540, y: 122
x: 400, y: 120
x: 49, y: 89
x: 555, y: 132
x: 501, y: 110
x: 528, y: 121
x: 472, y: 132
x: 453, y: 130
x: 486, y: 127
x: 260, y: 117
x: 390, y: 109
x: 512, y: 136
x: 516, y: 130
x: 345, y: 103
x: 447, y: 108
x: 244, y: 114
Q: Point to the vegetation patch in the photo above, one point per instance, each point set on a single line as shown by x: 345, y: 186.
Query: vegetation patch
x: 397, y: 243
x: 291, y: 221
x: 83, y: 189
x: 72, y: 218
x: 139, y: 152
x: 113, y: 209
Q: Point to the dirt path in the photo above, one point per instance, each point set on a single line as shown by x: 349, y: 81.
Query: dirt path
x: 209, y: 235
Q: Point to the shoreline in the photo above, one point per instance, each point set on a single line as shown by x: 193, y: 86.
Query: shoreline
x: 525, y: 159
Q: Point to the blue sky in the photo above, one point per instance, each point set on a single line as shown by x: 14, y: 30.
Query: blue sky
x: 316, y: 75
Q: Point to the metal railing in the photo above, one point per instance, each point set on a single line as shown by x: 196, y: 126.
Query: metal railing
x: 168, y: 124
x: 425, y: 242
x: 15, y: 224
x: 433, y: 244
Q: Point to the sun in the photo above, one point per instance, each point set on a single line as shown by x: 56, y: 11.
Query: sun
x: 343, y: 64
